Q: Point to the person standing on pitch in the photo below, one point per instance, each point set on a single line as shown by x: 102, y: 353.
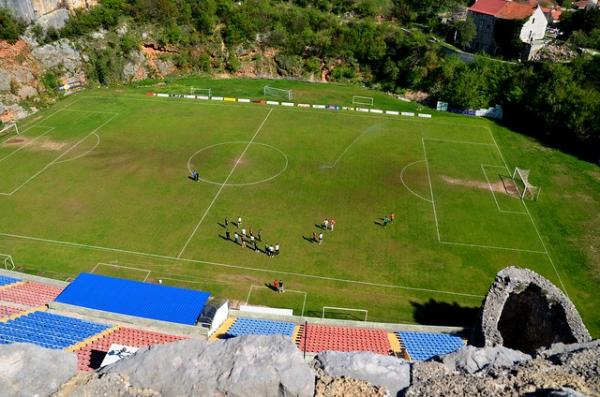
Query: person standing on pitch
x: 236, y: 237
x: 243, y: 232
x: 392, y: 217
x: 320, y: 238
x: 276, y: 249
x: 259, y: 235
x: 227, y: 234
x: 314, y: 237
x: 332, y: 223
x: 239, y: 222
x: 226, y: 222
x: 281, y: 289
x: 276, y: 285
x: 325, y: 224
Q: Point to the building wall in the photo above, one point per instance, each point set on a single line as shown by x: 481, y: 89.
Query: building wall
x: 484, y: 41
x: 534, y: 28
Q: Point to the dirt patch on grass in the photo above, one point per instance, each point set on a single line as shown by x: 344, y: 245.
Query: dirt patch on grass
x: 505, y: 185
x: 35, y: 144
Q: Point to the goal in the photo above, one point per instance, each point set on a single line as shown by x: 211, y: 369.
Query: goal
x: 362, y: 100
x: 9, y: 129
x: 277, y: 93
x: 9, y: 264
x: 520, y: 177
x: 201, y: 91
x: 340, y: 310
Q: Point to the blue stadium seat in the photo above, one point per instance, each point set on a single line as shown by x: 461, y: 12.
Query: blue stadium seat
x: 48, y: 330
x: 250, y: 326
x: 5, y: 280
x: 425, y: 345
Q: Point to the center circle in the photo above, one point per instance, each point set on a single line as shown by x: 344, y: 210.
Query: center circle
x: 259, y: 163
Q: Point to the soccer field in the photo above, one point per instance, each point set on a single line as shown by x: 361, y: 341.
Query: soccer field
x: 100, y: 182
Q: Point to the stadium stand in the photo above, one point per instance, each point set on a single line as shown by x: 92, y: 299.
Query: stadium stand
x: 424, y: 345
x: 250, y: 326
x: 8, y: 311
x: 30, y: 293
x: 5, y: 280
x: 90, y: 355
x: 318, y: 337
x: 48, y: 330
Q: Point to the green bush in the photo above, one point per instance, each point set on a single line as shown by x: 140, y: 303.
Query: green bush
x: 10, y: 27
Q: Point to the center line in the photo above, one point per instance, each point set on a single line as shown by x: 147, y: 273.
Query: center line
x: 223, y: 185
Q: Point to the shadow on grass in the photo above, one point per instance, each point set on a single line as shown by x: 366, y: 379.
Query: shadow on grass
x: 433, y: 312
x: 309, y: 239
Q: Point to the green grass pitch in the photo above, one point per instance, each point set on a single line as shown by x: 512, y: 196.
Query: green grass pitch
x: 102, y: 177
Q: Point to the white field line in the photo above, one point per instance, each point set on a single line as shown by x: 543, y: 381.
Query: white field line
x: 147, y: 271
x: 437, y: 228
x: 346, y: 149
x: 491, y: 247
x: 27, y: 144
x: 239, y: 267
x: 223, y: 185
x: 460, y: 142
x: 59, y: 157
x: 406, y: 186
x: 494, y: 194
x: 83, y: 154
x: 531, y: 219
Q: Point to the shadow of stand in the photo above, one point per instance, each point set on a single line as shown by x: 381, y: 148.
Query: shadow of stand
x: 433, y: 312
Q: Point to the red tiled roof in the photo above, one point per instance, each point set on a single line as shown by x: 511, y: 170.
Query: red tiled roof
x: 503, y: 9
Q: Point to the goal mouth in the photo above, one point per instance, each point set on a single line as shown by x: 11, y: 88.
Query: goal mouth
x: 9, y: 130
x: 526, y: 189
x: 278, y: 93
x: 362, y: 100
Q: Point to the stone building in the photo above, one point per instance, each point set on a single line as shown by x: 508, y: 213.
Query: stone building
x: 499, y: 22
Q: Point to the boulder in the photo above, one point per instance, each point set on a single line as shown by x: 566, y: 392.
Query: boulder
x: 58, y: 53
x: 526, y: 312
x: 55, y: 19
x: 30, y: 370
x: 391, y: 372
x: 244, y: 366
x: 470, y: 359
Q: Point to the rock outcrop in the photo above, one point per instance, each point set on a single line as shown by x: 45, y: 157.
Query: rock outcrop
x: 526, y: 312
x: 245, y: 366
x: 391, y: 372
x: 33, y: 10
x: 29, y: 370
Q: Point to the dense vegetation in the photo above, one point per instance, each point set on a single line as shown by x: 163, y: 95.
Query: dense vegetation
x: 10, y: 27
x: 387, y: 44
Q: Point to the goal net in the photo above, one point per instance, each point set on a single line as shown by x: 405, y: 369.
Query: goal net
x: 9, y: 129
x: 9, y: 264
x: 526, y: 190
x: 362, y: 100
x: 201, y: 91
x: 280, y: 93
x: 345, y: 313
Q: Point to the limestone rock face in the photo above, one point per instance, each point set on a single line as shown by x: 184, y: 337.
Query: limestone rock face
x: 244, y: 366
x: 58, y: 53
x: 526, y: 312
x: 391, y: 372
x: 29, y: 370
x: 470, y: 359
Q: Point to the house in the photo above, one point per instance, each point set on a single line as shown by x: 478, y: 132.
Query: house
x: 500, y: 23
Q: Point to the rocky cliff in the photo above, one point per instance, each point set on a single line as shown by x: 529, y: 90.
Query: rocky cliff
x: 273, y: 366
x: 32, y: 10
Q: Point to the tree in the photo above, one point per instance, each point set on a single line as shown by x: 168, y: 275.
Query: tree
x: 10, y: 27
x: 466, y: 31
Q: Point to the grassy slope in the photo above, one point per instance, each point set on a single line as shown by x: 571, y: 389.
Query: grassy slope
x: 131, y: 193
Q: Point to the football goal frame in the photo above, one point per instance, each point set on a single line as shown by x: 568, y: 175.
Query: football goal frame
x: 7, y: 129
x: 9, y: 263
x: 362, y: 100
x: 201, y: 91
x: 520, y: 176
x: 269, y: 91
x: 347, y: 309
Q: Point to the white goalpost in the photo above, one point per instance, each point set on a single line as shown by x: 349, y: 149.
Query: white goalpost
x: 362, y: 100
x: 520, y: 177
x: 9, y: 129
x: 9, y: 263
x: 201, y: 91
x: 269, y: 91
x: 347, y: 309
